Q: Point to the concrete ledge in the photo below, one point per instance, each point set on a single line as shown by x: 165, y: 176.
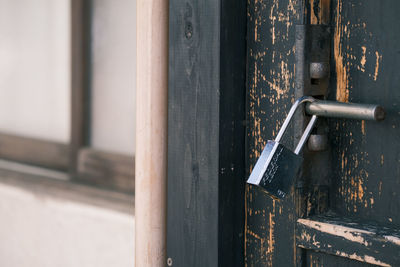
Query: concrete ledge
x: 48, y: 222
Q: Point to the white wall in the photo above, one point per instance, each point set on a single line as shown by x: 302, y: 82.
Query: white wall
x: 41, y: 231
x: 34, y: 68
x: 113, y: 75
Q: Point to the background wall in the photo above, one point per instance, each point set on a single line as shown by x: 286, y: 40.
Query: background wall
x: 39, y: 230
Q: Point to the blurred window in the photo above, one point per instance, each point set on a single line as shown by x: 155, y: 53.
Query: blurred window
x: 113, y: 75
x: 80, y: 121
x: 34, y: 69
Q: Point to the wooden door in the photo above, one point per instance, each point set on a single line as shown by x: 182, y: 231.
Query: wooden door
x: 346, y: 211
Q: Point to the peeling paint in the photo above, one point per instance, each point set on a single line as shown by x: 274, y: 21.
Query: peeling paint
x: 363, y: 59
x: 342, y: 82
x: 315, y: 12
x: 271, y: 238
x: 364, y: 258
x: 363, y: 127
x: 378, y: 60
x: 348, y: 233
x: 393, y: 239
x: 315, y: 235
x: 320, y: 11
x: 273, y: 19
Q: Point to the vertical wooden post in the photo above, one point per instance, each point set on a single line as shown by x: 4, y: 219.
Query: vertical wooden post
x: 206, y: 127
x: 151, y: 134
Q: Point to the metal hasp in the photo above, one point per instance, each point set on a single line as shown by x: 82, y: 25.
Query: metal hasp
x: 277, y: 167
x: 333, y: 109
x: 312, y: 59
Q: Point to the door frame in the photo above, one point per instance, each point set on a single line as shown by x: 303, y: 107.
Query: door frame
x: 206, y: 133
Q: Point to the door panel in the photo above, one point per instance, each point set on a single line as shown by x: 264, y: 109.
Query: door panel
x: 367, y: 154
x: 363, y: 162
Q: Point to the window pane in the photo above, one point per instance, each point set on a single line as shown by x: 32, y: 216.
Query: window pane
x: 34, y: 68
x: 113, y: 75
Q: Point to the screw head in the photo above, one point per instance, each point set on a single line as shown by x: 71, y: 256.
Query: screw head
x: 169, y: 262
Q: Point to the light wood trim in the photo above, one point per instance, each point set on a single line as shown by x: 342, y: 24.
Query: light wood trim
x: 105, y: 169
x: 151, y: 134
x: 34, y: 151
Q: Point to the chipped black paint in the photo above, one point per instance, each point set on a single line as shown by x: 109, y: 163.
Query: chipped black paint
x: 365, y: 242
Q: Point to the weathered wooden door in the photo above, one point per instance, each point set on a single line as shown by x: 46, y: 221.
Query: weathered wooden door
x: 345, y: 208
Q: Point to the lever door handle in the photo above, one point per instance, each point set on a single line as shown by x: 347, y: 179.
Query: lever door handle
x: 334, y: 109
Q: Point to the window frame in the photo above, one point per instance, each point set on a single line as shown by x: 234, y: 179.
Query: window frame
x: 83, y: 163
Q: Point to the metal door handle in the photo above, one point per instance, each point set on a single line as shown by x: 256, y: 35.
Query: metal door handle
x: 334, y: 109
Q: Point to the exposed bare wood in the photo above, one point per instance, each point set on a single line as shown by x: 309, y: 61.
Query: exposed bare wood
x: 342, y: 237
x: 34, y: 151
x: 107, y: 169
x: 320, y: 11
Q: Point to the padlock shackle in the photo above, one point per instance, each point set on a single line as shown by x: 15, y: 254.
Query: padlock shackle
x: 306, y: 134
x: 309, y: 127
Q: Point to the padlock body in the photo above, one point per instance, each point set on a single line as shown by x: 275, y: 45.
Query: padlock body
x: 276, y: 170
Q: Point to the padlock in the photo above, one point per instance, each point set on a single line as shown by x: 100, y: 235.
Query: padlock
x: 277, y: 167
